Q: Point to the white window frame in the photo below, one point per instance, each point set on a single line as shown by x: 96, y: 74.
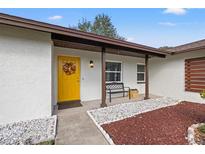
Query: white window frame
x: 113, y: 61
x: 141, y: 82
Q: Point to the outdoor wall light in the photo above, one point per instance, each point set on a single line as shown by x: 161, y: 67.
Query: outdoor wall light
x: 91, y: 64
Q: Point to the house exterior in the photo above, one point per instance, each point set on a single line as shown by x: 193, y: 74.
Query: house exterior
x: 42, y: 64
x: 170, y: 79
x: 173, y: 72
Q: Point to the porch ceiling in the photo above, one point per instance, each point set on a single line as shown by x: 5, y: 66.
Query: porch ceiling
x: 90, y: 45
x: 91, y: 48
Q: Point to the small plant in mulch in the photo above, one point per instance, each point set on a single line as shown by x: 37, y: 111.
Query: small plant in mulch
x: 202, y: 128
x: 200, y: 135
x: 51, y: 142
x: 202, y: 94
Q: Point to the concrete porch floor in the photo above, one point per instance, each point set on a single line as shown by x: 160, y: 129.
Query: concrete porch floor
x: 76, y: 127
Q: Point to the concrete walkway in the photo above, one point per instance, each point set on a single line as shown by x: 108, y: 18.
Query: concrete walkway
x: 76, y: 127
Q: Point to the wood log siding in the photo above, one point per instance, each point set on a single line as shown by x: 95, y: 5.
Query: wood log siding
x: 195, y: 74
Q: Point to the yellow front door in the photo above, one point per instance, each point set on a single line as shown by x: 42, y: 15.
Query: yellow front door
x: 68, y: 78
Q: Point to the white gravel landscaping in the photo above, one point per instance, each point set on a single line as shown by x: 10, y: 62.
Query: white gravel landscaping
x: 28, y: 132
x: 121, y: 111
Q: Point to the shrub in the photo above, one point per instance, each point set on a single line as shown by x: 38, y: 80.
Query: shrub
x: 202, y: 94
x: 202, y: 128
x: 51, y: 142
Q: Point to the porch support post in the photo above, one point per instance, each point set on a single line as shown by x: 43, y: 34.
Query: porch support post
x: 146, y: 77
x: 103, y: 103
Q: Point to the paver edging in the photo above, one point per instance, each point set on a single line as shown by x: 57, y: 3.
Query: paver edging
x: 105, y: 134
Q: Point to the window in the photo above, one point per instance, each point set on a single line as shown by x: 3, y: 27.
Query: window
x: 113, y: 71
x: 195, y: 74
x: 140, y: 73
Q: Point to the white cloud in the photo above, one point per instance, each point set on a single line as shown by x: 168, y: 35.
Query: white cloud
x: 56, y: 17
x: 176, y: 11
x: 171, y: 24
x: 130, y: 39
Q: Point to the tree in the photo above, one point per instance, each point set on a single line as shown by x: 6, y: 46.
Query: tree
x: 102, y: 25
x: 165, y: 48
x: 84, y: 25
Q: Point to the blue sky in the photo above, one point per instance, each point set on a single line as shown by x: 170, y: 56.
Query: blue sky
x: 153, y: 27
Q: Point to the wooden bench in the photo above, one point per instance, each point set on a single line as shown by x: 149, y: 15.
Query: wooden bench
x: 115, y: 88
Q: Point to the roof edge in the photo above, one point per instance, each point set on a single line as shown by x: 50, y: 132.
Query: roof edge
x: 51, y: 28
x: 188, y: 47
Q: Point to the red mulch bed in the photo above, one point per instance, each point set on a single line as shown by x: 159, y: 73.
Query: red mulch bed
x: 162, y: 126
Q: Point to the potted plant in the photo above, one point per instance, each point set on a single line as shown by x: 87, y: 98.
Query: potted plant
x: 202, y: 94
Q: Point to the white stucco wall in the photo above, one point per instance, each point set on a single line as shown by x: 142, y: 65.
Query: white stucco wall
x: 25, y: 74
x: 90, y: 84
x: 167, y: 76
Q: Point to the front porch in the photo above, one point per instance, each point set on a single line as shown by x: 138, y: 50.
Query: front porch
x: 75, y: 126
x: 99, y: 51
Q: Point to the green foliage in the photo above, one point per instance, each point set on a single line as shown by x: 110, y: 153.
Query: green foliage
x: 102, y: 25
x: 202, y: 94
x: 51, y: 142
x: 165, y: 48
x: 84, y: 25
x: 202, y: 129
